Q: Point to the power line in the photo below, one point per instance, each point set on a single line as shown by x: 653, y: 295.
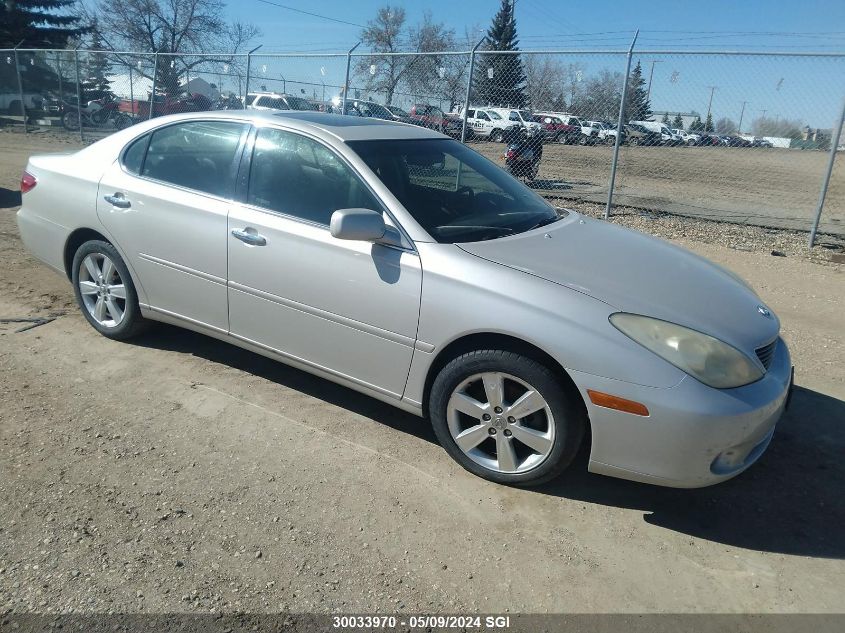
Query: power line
x: 313, y: 15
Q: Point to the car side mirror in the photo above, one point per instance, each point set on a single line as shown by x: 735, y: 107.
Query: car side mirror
x: 357, y: 224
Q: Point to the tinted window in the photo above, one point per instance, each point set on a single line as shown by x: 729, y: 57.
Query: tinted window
x: 456, y: 194
x: 276, y: 104
x: 483, y: 116
x: 494, y: 115
x: 133, y: 157
x: 471, y: 114
x: 198, y: 155
x: 250, y: 99
x: 297, y: 176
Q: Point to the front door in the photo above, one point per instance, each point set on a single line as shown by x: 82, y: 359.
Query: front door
x: 347, y: 307
x: 167, y: 198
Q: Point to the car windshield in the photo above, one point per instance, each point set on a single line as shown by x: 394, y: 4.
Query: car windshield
x: 453, y: 192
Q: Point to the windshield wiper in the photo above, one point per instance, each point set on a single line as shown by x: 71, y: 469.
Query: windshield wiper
x: 544, y: 222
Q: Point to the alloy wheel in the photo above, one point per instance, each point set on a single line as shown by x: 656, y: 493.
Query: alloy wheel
x: 102, y: 289
x: 501, y: 422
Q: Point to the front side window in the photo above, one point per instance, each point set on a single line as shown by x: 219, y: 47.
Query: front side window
x: 495, y: 116
x: 453, y: 192
x: 250, y: 99
x: 198, y: 155
x: 297, y: 176
x: 276, y: 104
x: 483, y: 116
x: 513, y: 116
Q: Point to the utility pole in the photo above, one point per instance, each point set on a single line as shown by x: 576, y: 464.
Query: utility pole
x: 650, y: 76
x: 741, y: 114
x: 709, y: 106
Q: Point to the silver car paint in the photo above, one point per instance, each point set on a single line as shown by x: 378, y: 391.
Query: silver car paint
x: 554, y: 292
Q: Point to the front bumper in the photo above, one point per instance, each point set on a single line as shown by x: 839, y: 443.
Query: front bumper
x: 694, y: 435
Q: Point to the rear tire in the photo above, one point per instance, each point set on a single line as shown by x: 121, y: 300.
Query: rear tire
x: 497, y: 136
x: 634, y: 141
x: 530, y: 439
x: 71, y: 120
x: 104, y: 291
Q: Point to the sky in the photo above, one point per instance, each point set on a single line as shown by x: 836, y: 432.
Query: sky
x: 810, y: 89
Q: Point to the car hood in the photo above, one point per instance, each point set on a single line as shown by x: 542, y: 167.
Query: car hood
x: 636, y: 273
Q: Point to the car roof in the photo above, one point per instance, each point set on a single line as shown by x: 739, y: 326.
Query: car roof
x: 323, y: 124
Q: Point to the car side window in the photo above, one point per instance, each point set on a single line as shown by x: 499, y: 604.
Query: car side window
x: 483, y: 116
x: 513, y: 116
x: 297, y: 176
x: 494, y: 115
x: 133, y: 157
x: 198, y: 155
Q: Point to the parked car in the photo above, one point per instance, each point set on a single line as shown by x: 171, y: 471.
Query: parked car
x: 589, y: 132
x: 638, y: 135
x: 557, y: 129
x: 276, y: 101
x: 354, y: 253
x: 732, y: 140
x: 761, y: 142
x: 373, y: 110
x: 607, y: 132
x: 667, y: 137
x: 487, y: 124
x: 520, y: 117
x: 433, y: 118
x: 689, y: 138
x: 167, y: 104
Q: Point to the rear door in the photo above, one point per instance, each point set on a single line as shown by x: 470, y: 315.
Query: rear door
x: 165, y: 203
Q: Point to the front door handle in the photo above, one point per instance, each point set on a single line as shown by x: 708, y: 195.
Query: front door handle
x: 118, y: 200
x: 249, y: 236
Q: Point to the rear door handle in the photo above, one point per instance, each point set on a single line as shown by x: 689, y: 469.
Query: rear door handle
x: 249, y: 236
x: 118, y: 200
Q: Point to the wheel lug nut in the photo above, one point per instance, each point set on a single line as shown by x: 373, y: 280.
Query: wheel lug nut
x: 511, y: 419
x: 485, y: 417
x: 492, y: 431
x: 498, y: 409
x: 508, y: 433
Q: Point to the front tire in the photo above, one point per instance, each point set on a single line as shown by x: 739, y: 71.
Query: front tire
x: 506, y: 417
x: 105, y: 292
x: 496, y: 136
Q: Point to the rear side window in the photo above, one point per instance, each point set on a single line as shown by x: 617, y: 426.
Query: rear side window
x: 133, y: 157
x: 250, y: 99
x: 198, y: 155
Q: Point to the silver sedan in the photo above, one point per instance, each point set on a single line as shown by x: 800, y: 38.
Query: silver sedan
x: 398, y: 262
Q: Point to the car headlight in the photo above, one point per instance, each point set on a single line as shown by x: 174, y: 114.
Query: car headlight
x: 703, y: 357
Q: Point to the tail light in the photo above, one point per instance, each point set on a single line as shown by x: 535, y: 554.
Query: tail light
x: 28, y: 182
x: 510, y: 154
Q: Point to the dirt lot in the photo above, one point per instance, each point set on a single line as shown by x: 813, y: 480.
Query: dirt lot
x: 769, y: 187
x: 179, y: 474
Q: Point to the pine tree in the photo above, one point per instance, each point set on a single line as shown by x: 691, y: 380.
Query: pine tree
x: 97, y: 68
x: 38, y: 23
x: 666, y: 118
x: 500, y: 79
x: 708, y: 124
x: 638, y: 107
x: 696, y: 125
x: 678, y: 122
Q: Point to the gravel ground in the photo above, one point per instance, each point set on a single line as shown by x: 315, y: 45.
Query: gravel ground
x: 179, y: 474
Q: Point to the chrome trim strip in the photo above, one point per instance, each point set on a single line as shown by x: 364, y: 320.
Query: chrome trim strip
x: 428, y: 348
x: 387, y: 335
x: 194, y: 322
x: 183, y: 269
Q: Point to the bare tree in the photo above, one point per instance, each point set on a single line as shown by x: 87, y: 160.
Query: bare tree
x: 387, y: 68
x: 725, y: 125
x: 786, y: 128
x: 545, y: 81
x: 600, y: 97
x: 176, y: 28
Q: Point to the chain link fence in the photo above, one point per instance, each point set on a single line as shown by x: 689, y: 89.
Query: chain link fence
x: 735, y: 137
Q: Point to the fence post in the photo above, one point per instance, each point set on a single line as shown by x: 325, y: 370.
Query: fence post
x: 834, y: 142
x: 619, y: 128
x: 248, y: 64
x: 59, y: 69
x: 20, y: 85
x: 131, y: 94
x: 153, y: 87
x: 78, y: 94
x: 346, y: 81
x: 468, y: 93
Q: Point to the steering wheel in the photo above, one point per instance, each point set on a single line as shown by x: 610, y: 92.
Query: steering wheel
x: 469, y: 192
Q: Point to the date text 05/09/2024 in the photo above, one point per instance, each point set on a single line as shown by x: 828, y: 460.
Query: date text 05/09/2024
x: 486, y: 623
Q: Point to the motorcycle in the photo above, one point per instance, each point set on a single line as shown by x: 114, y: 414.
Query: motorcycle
x: 523, y: 154
x: 95, y: 113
